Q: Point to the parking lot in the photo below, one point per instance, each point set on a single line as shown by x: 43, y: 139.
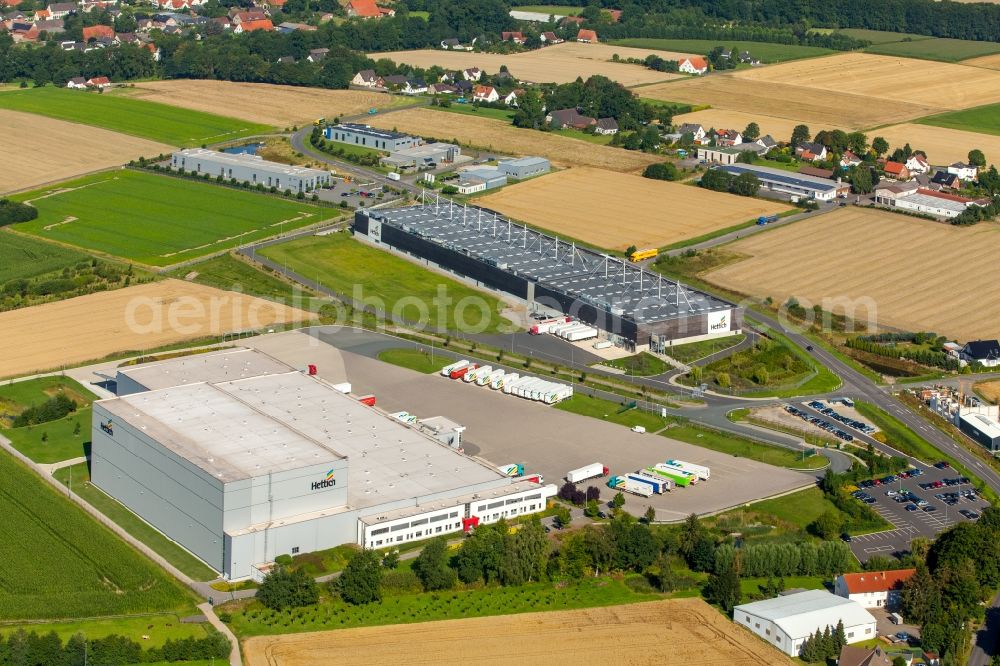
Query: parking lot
x: 351, y: 193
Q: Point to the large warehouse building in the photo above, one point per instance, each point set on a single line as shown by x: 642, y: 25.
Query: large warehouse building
x: 240, y: 458
x: 251, y: 169
x: 637, y: 308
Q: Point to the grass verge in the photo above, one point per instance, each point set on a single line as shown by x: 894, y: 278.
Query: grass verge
x: 740, y: 447
x: 643, y: 364
x: 693, y: 351
x: 414, y: 359
x: 612, y: 412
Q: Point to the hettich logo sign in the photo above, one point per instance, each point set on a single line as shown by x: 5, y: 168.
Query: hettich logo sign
x: 108, y: 427
x: 327, y: 482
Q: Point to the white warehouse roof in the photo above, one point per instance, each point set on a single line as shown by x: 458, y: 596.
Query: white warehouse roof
x: 800, y: 614
x: 250, y: 161
x: 983, y: 423
x: 228, y: 364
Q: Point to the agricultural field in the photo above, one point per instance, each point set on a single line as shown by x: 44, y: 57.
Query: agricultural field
x: 264, y: 103
x: 149, y: 630
x: 23, y: 257
x: 883, y: 90
x: 133, y: 319
x: 496, y: 135
x: 779, y: 128
x: 836, y: 261
x: 60, y: 563
x: 49, y: 161
x: 942, y: 145
x: 936, y: 48
x: 231, y: 273
x: 989, y: 390
x: 358, y: 271
x: 989, y: 61
x: 768, y: 53
x: 659, y: 213
x: 160, y: 220
x: 561, y: 63
x: 149, y: 120
x: 655, y: 628
x: 876, y: 36
x: 982, y: 119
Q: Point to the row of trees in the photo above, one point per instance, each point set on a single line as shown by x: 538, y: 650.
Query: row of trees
x: 823, y: 645
x: 805, y: 558
x: 745, y: 184
x: 929, y: 357
x: 23, y: 648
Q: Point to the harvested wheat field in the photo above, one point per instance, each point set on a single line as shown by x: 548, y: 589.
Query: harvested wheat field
x: 60, y: 150
x: 942, y: 145
x: 642, y: 633
x: 989, y: 391
x: 561, y: 63
x: 779, y: 128
x: 989, y: 61
x: 500, y: 136
x: 614, y: 210
x: 877, y: 265
x: 137, y: 318
x: 281, y: 106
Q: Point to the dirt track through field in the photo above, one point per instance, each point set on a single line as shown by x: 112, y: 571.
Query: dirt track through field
x: 491, y: 134
x: 914, y: 274
x: 561, y: 63
x: 57, y: 150
x: 139, y: 318
x: 679, y: 632
x: 261, y: 102
x: 615, y: 210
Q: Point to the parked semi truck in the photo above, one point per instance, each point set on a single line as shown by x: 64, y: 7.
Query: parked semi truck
x: 544, y: 326
x: 656, y: 485
x: 462, y: 371
x: 666, y: 484
x: 582, y: 334
x: 627, y: 485
x: 512, y: 469
x: 586, y: 472
x: 451, y: 367
x: 692, y: 478
x: 679, y: 478
x: 700, y: 471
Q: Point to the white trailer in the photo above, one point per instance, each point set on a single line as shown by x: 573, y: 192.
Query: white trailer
x: 564, y: 391
x: 582, y: 334
x: 487, y: 378
x: 668, y: 484
x: 559, y: 328
x: 528, y: 389
x: 677, y: 471
x: 700, y: 471
x: 457, y: 365
x: 603, y: 344
x: 586, y: 472
x: 566, y: 332
x: 474, y: 375
x: 499, y: 381
x: 511, y: 385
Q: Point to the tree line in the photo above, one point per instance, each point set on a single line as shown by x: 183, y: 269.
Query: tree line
x: 23, y: 648
x: 929, y: 357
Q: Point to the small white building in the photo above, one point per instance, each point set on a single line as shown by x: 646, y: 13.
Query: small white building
x: 917, y: 164
x: 693, y: 65
x: 718, y: 155
x: 964, y: 171
x: 486, y: 94
x: 873, y: 589
x: 787, y: 621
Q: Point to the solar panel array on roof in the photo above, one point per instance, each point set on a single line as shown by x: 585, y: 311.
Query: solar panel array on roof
x: 608, y: 283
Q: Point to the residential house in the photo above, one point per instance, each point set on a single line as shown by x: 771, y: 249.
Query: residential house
x: 849, y: 159
x: 99, y: 82
x: 317, y: 55
x: 60, y: 10
x: 551, y: 38
x: 413, y: 87
x: 945, y: 179
x: 873, y: 589
x: 606, y: 126
x: 896, y: 170
x: 964, y: 171
x: 812, y: 152
x: 96, y: 32
x: 516, y: 37
x: 917, y: 164
x: 984, y: 352
x: 51, y: 26
x: 286, y: 60
x: 754, y: 147
x: 472, y: 74
x: 566, y: 20
x: 464, y: 87
x: 745, y: 57
x: 77, y: 82
x: 586, y: 36
x: 728, y: 138
x: 569, y: 118
x: 22, y: 31
x: 858, y: 656
x: 615, y: 14
x: 155, y: 50
x: 767, y: 141
x: 368, y: 79
x: 367, y: 9
x: 693, y: 65
x: 487, y: 94
x: 695, y: 130
x: 451, y: 43
x: 513, y: 96
x: 443, y: 89
x: 251, y: 26
x: 290, y: 26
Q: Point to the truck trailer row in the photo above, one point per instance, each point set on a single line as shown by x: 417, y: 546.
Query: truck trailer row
x: 660, y: 478
x: 511, y: 383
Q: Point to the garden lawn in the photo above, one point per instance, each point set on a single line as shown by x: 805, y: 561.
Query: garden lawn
x: 692, y: 351
x: 160, y: 220
x: 388, y: 283
x: 767, y: 52
x: 505, y: 115
x: 744, y: 448
x: 607, y: 410
x: 800, y: 509
x: 753, y: 585
x: 131, y: 523
x: 61, y: 563
x: 984, y: 119
x: 447, y: 605
x: 22, y: 257
x: 61, y: 441
x: 643, y: 364
x: 233, y: 274
x: 15, y: 397
x: 414, y: 359
x: 150, y: 120
x: 322, y: 562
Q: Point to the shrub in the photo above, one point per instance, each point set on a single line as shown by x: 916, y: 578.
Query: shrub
x: 287, y: 588
x: 52, y: 409
x: 12, y: 212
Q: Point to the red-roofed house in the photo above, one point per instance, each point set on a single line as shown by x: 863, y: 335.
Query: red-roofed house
x: 255, y: 24
x: 9, y: 3
x: 566, y: 20
x: 616, y: 15
x: 516, y: 37
x: 693, y: 65
x: 367, y: 9
x: 551, y: 38
x: 873, y: 589
x: 98, y: 32
x: 99, y: 82
x: 918, y: 164
x: 896, y: 170
x: 727, y: 138
x: 485, y: 94
x: 586, y: 36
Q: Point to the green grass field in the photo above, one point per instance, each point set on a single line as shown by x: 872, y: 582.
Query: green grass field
x: 16, y: 396
x: 54, y: 441
x: 942, y: 49
x: 799, y: 509
x: 898, y: 435
x: 643, y: 364
x: 60, y: 563
x: 879, y: 36
x: 233, y: 274
x: 150, y: 120
x: 170, y: 551
x: 414, y: 359
x: 24, y: 258
x: 389, y: 283
x: 160, y: 220
x: 606, y: 410
x: 481, y: 111
x: 985, y: 119
x: 743, y: 448
x: 160, y: 628
x: 767, y: 52
x: 693, y: 351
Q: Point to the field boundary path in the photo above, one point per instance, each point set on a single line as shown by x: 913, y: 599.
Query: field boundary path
x: 235, y: 658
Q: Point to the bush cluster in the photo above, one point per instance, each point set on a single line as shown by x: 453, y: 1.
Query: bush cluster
x: 52, y: 409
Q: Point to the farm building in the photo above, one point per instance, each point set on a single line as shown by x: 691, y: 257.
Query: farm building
x: 873, y: 589
x: 240, y: 458
x: 909, y: 196
x: 423, y: 155
x: 367, y: 137
x: 776, y: 180
x: 250, y: 168
x: 787, y: 621
x: 718, y: 155
x: 636, y: 307
x: 524, y: 167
